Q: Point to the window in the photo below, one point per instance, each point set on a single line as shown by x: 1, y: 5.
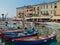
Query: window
x: 38, y: 12
x: 20, y: 16
x: 30, y: 14
x: 19, y: 13
x: 27, y: 10
x: 41, y: 12
x: 51, y: 5
x: 54, y: 12
x: 51, y: 11
x: 31, y: 10
x: 41, y: 7
x: 37, y: 8
x: 55, y: 6
x: 35, y: 20
x: 46, y: 6
x: 46, y: 11
x: 34, y: 9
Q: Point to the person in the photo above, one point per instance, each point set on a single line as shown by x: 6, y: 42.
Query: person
x: 33, y: 29
x: 18, y: 27
x: 25, y: 31
x: 25, y: 28
x: 28, y: 31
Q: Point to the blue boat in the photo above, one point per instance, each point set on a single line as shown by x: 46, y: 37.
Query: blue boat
x: 33, y: 40
x: 26, y: 33
x: 20, y: 33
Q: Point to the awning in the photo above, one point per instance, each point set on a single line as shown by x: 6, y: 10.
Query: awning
x: 55, y: 17
x: 42, y: 17
x: 17, y: 19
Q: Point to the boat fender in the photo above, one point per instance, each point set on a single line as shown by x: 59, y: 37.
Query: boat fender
x: 51, y: 38
x: 45, y: 40
x: 12, y: 40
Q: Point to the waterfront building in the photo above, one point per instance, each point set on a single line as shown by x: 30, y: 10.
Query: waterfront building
x: 50, y: 9
x: 24, y: 12
x: 40, y: 12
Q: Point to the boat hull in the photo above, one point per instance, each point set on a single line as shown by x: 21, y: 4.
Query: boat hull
x: 33, y: 42
x: 10, y: 35
x: 10, y: 38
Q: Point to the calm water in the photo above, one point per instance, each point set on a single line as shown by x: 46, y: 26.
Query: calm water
x: 45, y: 30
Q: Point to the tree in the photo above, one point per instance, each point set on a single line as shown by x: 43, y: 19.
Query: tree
x: 2, y: 14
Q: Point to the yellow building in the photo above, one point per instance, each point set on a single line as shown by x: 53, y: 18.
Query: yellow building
x: 40, y: 12
x: 46, y: 9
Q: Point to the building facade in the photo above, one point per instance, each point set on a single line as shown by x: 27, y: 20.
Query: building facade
x: 25, y: 12
x: 51, y: 9
x: 39, y: 12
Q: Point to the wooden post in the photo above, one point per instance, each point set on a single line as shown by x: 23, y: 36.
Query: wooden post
x: 23, y: 21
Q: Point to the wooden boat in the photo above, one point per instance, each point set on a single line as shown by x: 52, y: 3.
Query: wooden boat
x: 19, y: 34
x: 33, y: 40
x: 9, y: 33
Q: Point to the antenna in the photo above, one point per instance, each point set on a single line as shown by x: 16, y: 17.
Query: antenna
x: 48, y: 1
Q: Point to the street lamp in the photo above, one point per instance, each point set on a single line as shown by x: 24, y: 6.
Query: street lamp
x: 54, y: 8
x: 33, y: 15
x: 2, y: 17
x: 23, y: 20
x: 6, y: 23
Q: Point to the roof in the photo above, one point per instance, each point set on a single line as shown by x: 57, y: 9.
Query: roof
x: 42, y: 17
x: 24, y: 7
x: 36, y: 4
x: 17, y: 19
x: 46, y: 3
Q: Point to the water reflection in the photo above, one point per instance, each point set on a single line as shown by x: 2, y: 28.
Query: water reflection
x: 53, y: 42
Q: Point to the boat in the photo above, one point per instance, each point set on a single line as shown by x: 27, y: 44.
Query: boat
x: 33, y: 40
x: 8, y: 32
x: 20, y: 33
x: 17, y: 34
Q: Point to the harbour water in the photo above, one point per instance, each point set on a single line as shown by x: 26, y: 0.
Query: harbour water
x: 44, y: 30
x: 55, y: 27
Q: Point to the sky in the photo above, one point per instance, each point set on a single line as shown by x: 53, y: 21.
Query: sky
x: 8, y: 7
